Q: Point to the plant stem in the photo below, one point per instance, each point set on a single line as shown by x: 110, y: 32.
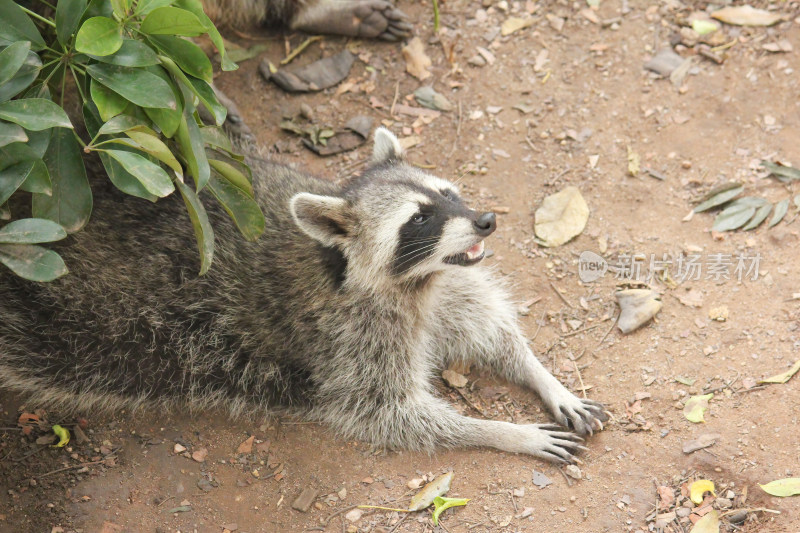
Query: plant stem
x: 38, y: 16
x: 436, y: 15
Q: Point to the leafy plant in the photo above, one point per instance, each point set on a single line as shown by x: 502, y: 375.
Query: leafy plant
x: 139, y: 82
x: 748, y: 212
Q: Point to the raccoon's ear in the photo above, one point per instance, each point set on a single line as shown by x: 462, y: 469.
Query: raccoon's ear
x: 386, y: 146
x: 324, y: 218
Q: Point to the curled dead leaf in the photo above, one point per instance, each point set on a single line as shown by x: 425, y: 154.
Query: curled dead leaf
x: 699, y: 488
x: 637, y: 307
x: 561, y: 217
x: 746, y: 16
x: 417, y: 61
x: 695, y: 407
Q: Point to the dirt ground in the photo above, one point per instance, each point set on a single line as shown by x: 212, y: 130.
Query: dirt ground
x: 586, y: 102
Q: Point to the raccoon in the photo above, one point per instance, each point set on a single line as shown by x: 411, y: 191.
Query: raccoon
x: 352, y: 18
x: 342, y: 312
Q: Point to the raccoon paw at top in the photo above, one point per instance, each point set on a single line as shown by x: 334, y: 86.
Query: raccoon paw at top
x: 583, y: 416
x: 363, y: 18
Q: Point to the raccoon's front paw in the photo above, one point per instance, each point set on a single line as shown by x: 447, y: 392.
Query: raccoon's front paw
x: 551, y: 443
x: 581, y: 415
x: 381, y: 19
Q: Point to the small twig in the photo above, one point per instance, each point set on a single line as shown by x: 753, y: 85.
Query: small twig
x: 81, y: 465
x: 384, y: 508
x: 578, y: 371
x: 608, y: 332
x: 563, y: 299
x: 162, y: 502
x: 584, y: 330
x: 396, y: 95
x: 294, y: 53
x: 569, y: 481
x: 469, y: 402
x: 750, y: 510
x: 398, y: 523
x: 539, y: 326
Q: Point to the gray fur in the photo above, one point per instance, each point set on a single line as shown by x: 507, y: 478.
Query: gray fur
x: 308, y: 319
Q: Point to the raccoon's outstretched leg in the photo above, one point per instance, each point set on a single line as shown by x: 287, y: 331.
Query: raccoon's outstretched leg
x: 479, y: 326
x: 353, y: 18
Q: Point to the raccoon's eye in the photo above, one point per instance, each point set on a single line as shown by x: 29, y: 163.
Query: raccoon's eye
x: 420, y: 218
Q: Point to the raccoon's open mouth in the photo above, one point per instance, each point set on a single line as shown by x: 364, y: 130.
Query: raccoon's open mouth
x: 473, y: 255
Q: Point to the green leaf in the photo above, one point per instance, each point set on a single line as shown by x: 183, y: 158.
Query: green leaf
x: 202, y: 227
x: 149, y: 142
x: 62, y: 434
x: 121, y: 7
x: 109, y: 104
x: 244, y: 211
x: 99, y: 8
x: 38, y: 179
x: 132, y: 53
x: 99, y: 36
x: 789, y: 486
x: 719, y: 196
x: 440, y: 504
x: 12, y: 177
x: 71, y: 201
x: 733, y: 217
x: 215, y: 136
x: 38, y: 141
x: 22, y: 79
x: 32, y: 262
x: 68, y: 15
x: 783, y: 377
x: 167, y: 120
x: 15, y: 26
x: 31, y: 231
x: 784, y: 173
x: 200, y: 88
x: 780, y: 211
x: 759, y: 217
x: 186, y: 54
x: 232, y: 174
x: 196, y: 7
x: 172, y: 21
x: 29, y: 175
x: 695, y: 407
x: 193, y: 150
x: 136, y: 85
x: 13, y: 153
x: 35, y: 114
x: 11, y: 133
x: 119, y: 124
x: 152, y: 176
x: 143, y: 7
x: 12, y: 58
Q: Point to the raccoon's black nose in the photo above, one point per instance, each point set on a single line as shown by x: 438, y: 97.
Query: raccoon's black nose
x: 485, y: 224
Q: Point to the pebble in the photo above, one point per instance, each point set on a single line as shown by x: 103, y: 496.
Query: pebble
x: 573, y: 472
x: 179, y: 448
x: 303, y: 502
x: 354, y: 515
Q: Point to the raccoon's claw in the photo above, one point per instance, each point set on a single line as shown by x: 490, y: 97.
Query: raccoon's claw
x: 558, y: 446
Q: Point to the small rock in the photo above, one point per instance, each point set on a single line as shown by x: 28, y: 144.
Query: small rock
x: 738, y: 517
x: 303, y: 502
x: 526, y: 512
x: 541, y: 480
x: 683, y: 512
x: 573, y: 472
x: 200, y: 455
x: 368, y: 480
x: 354, y: 515
x: 415, y: 483
x: 724, y: 503
x: 477, y: 61
x: 518, y: 493
x: 246, y: 446
x: 233, y: 526
x: 178, y: 448
x: 342, y: 494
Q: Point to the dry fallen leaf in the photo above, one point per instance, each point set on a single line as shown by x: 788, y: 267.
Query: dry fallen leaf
x: 438, y: 487
x: 633, y: 162
x: 417, y: 61
x: 246, y: 446
x: 513, y: 24
x: 696, y: 407
x: 782, y: 488
x: 783, y: 377
x: 561, y: 217
x: 637, y: 307
x: 703, y: 441
x: 699, y: 488
x: 708, y: 524
x: 746, y: 16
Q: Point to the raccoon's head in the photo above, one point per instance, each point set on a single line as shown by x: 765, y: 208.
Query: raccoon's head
x: 395, y: 223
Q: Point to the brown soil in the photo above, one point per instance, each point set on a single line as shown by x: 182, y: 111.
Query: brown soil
x: 592, y: 98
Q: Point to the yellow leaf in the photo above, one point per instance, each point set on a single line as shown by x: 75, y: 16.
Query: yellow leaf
x: 700, y: 487
x: 783, y: 378
x: 513, y: 24
x: 789, y: 486
x: 63, y: 436
x: 695, y: 407
x: 708, y: 524
x: 633, y: 162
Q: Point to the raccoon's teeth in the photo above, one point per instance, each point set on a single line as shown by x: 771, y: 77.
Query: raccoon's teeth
x: 475, y: 251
